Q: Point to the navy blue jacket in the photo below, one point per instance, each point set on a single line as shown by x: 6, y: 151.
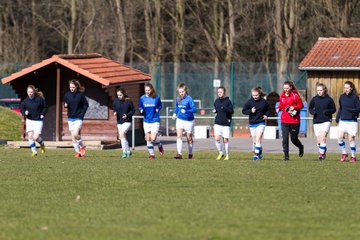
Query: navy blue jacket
x: 122, y: 107
x: 349, y: 107
x: 224, y: 111
x: 35, y: 106
x: 262, y: 108
x: 76, y: 104
x: 322, y: 108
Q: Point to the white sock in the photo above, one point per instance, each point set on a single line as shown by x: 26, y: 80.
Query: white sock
x: 150, y: 147
x: 80, y: 142
x: 32, y: 145
x: 322, y: 148
x: 123, y: 144
x: 218, y: 146
x: 179, y: 145
x: 257, y: 149
x: 76, y: 146
x: 190, y: 147
x: 342, y: 145
x: 352, y: 148
x: 227, y: 148
x: 126, y: 145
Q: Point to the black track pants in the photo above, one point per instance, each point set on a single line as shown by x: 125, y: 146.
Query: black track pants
x: 293, y: 130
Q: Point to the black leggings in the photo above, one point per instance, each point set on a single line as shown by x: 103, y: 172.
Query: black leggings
x: 293, y: 130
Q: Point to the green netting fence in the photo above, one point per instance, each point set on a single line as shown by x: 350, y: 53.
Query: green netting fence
x: 237, y: 77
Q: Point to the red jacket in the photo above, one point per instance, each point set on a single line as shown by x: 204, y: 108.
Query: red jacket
x: 292, y: 100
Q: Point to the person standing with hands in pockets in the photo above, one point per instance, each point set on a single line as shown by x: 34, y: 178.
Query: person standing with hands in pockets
x: 184, y: 115
x: 258, y: 110
x: 224, y: 110
x: 290, y: 104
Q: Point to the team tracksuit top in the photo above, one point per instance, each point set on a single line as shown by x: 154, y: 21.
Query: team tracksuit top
x: 188, y: 104
x: 224, y: 111
x: 122, y: 107
x: 262, y: 108
x: 292, y: 100
x: 322, y: 107
x: 36, y: 107
x: 76, y: 104
x: 149, y: 105
x: 349, y: 107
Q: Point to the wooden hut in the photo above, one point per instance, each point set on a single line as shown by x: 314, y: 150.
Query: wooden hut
x: 100, y: 76
x: 332, y: 61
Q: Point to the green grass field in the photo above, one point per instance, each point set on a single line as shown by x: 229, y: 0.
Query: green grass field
x: 10, y: 124
x: 103, y: 196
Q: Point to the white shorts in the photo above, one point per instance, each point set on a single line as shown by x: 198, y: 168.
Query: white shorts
x: 258, y: 129
x: 151, y: 127
x: 350, y: 128
x: 188, y: 126
x: 223, y: 131
x: 124, y: 127
x: 321, y: 127
x: 74, y: 124
x: 34, y: 126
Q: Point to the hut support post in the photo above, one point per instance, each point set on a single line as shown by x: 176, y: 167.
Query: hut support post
x: 57, y: 104
x: 133, y: 133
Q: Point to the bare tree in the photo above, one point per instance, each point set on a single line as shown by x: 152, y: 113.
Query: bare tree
x: 64, y: 18
x: 34, y: 34
x: 177, y: 17
x: 182, y: 30
x: 154, y: 33
x: 285, y: 20
x: 15, y: 23
x: 130, y: 16
x: 71, y: 31
x: 120, y: 27
x: 339, y: 14
x: 2, y: 31
x: 230, y: 36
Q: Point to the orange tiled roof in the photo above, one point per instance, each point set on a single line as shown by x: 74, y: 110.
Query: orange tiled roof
x: 333, y: 54
x: 93, y: 66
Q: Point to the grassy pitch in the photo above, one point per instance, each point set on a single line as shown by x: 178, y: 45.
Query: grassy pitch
x: 102, y: 196
x: 10, y: 124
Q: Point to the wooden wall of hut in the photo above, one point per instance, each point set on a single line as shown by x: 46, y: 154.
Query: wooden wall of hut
x: 103, y: 128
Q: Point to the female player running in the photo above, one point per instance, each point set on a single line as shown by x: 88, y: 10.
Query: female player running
x: 224, y: 110
x: 184, y: 115
x: 34, y: 109
x: 76, y: 104
x: 290, y: 104
x: 322, y: 107
x: 123, y: 110
x: 150, y: 106
x: 347, y: 118
x: 258, y: 110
